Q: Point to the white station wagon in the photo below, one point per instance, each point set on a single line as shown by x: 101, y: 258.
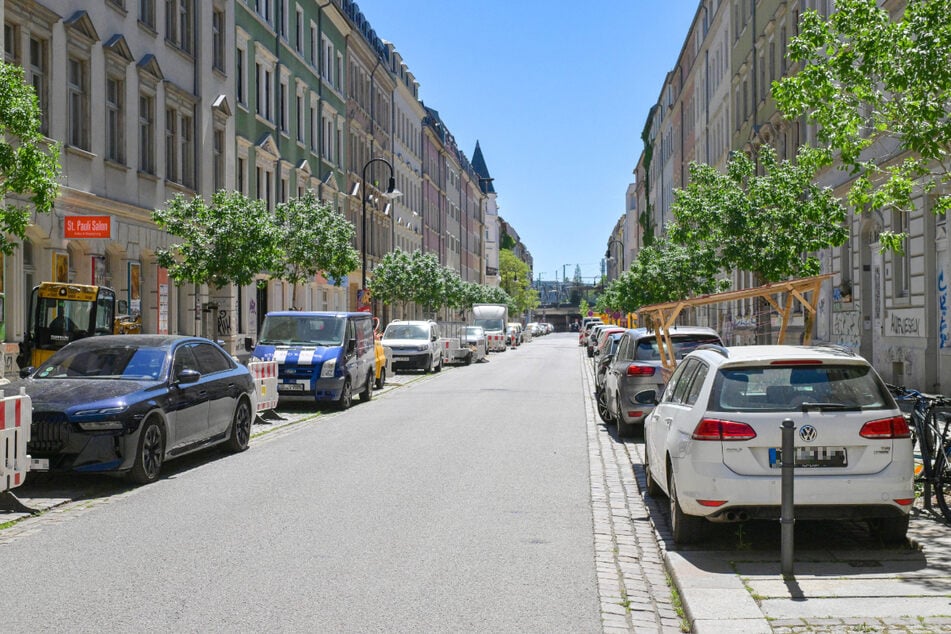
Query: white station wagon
x: 712, y: 443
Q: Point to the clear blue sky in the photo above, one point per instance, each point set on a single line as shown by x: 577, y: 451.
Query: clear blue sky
x: 555, y: 92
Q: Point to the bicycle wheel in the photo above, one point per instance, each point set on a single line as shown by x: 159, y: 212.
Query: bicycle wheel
x: 927, y: 436
x: 942, y: 481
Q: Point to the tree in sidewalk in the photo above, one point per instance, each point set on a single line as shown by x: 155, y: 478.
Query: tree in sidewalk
x: 428, y: 282
x: 878, y: 87
x: 515, y: 279
x: 314, y: 239
x: 230, y: 241
x: 392, y: 281
x: 29, y: 165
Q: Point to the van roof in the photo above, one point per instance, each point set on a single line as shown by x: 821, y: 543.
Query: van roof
x: 314, y: 313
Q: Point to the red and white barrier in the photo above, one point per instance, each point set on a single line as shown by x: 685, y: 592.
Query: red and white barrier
x: 496, y: 342
x: 16, y: 416
x: 265, y: 378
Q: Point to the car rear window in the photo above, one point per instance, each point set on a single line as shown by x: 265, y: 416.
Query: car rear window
x: 788, y: 388
x: 683, y: 344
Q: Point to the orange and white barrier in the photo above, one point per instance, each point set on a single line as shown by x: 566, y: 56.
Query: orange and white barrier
x: 16, y: 416
x: 265, y: 378
x: 496, y: 341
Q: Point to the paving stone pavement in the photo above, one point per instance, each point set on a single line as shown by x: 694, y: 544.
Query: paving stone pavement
x: 632, y: 579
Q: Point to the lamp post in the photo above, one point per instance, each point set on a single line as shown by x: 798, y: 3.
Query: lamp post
x: 607, y: 254
x: 391, y: 192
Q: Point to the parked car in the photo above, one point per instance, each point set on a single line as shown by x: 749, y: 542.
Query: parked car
x: 127, y: 403
x: 601, y: 363
x: 637, y: 366
x: 713, y: 442
x: 382, y: 363
x: 414, y: 344
x: 596, y: 332
x: 513, y: 334
x: 603, y: 337
x: 322, y: 357
x: 477, y: 341
x: 585, y: 329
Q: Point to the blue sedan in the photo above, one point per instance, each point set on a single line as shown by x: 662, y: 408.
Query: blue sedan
x: 127, y: 403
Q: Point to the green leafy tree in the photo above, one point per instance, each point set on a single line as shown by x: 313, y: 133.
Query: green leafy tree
x: 29, y: 166
x: 872, y: 83
x: 315, y: 239
x: 515, y: 279
x: 392, y: 280
x: 768, y: 223
x: 428, y: 281
x: 452, y: 289
x: 229, y: 241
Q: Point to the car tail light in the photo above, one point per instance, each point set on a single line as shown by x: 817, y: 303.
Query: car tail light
x: 716, y: 429
x: 894, y: 427
x: 903, y: 501
x: 635, y: 369
x: 711, y: 502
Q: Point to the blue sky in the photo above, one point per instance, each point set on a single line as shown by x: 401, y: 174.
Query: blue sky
x: 555, y: 92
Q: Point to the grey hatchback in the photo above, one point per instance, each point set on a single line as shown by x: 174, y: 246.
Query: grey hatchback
x: 637, y: 367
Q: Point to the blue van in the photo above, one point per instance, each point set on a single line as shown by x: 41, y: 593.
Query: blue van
x: 321, y: 356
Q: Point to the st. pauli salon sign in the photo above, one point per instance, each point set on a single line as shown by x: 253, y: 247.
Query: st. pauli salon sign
x: 87, y: 227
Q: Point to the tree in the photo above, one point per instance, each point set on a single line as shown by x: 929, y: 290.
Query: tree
x: 29, y: 166
x: 515, y: 279
x: 768, y: 223
x: 428, y: 281
x: 228, y: 242
x: 874, y: 86
x: 392, y: 280
x: 314, y: 239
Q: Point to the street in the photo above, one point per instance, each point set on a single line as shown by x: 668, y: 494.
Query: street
x: 458, y: 502
x: 486, y: 498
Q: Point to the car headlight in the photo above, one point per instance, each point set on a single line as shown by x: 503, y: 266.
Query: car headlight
x: 101, y: 411
x: 328, y: 368
x: 102, y: 425
x: 422, y: 348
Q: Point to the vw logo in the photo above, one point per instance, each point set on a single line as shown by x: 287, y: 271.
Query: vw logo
x: 808, y: 433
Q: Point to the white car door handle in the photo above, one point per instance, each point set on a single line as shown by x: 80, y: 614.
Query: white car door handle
x: 668, y: 421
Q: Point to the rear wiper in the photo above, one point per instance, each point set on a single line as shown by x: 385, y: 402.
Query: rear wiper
x: 831, y: 406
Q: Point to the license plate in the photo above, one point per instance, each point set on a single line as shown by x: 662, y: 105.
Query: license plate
x: 812, y: 457
x: 39, y: 464
x: 290, y: 387
x: 401, y: 358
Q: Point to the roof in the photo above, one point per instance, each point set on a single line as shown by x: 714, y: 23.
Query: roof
x: 762, y: 353
x: 478, y: 164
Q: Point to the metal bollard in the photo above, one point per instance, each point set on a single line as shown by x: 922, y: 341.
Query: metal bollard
x: 787, y: 515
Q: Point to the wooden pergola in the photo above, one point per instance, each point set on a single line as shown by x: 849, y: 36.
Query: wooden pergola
x: 664, y: 316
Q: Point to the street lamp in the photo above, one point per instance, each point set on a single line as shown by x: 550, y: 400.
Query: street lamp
x: 391, y: 193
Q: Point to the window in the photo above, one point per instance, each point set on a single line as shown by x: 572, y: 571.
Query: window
x: 171, y: 144
x: 901, y: 274
x: 147, y: 13
x: 313, y: 44
x: 241, y: 62
x: 187, y: 146
x: 265, y: 104
x: 38, y: 77
x: 178, y: 23
x: 241, y: 184
x: 218, y: 39
x: 283, y: 106
x: 300, y: 118
x: 328, y: 61
x: 299, y: 32
x: 284, y: 18
x: 11, y: 34
x: 115, y: 118
x: 146, y: 132
x: 218, y: 158
x: 77, y: 133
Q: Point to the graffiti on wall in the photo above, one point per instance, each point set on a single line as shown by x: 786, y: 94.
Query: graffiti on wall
x: 943, y: 334
x: 904, y: 322
x: 846, y: 328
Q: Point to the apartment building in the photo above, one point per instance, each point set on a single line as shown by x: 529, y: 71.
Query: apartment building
x: 144, y: 110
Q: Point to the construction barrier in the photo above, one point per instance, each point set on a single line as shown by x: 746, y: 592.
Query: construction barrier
x: 16, y: 416
x: 452, y: 350
x: 496, y: 342
x: 265, y: 378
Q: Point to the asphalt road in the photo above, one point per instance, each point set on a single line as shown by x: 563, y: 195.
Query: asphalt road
x: 457, y: 502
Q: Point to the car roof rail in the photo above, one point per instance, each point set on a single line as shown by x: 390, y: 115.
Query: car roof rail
x: 715, y: 347
x: 834, y: 346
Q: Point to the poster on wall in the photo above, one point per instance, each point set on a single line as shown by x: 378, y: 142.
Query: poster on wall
x: 162, y: 285
x: 60, y: 267
x: 135, y: 299
x: 98, y: 269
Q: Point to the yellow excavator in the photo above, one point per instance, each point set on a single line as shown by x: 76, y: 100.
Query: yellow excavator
x: 60, y: 312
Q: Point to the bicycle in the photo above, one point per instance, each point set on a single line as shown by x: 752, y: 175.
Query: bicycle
x: 930, y: 418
